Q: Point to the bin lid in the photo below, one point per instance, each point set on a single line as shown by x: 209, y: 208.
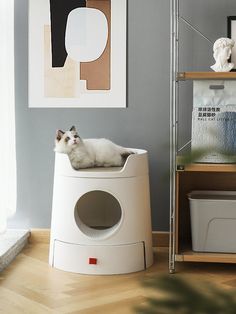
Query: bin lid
x: 212, y: 195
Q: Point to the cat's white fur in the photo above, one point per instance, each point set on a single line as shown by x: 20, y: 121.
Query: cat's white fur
x: 87, y: 153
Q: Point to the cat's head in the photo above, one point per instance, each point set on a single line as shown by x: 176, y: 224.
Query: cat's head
x: 65, y: 142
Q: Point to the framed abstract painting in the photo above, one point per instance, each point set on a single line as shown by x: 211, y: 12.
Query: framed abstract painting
x: 77, y: 53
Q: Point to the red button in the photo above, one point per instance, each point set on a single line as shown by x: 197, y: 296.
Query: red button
x: 92, y: 261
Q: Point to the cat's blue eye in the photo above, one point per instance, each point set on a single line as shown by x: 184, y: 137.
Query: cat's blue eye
x: 67, y: 139
x: 76, y: 136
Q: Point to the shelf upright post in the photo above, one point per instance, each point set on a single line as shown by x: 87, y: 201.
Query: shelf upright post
x: 174, y: 67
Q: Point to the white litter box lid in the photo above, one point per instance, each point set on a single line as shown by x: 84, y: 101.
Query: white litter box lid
x: 135, y: 165
x: 212, y: 195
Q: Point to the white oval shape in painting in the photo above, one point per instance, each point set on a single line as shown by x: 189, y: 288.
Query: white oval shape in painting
x: 86, y: 34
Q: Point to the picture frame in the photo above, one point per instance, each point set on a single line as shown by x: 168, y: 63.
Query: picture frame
x: 231, y: 33
x: 77, y: 54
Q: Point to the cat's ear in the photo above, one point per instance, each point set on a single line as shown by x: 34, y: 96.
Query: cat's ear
x: 59, y: 135
x: 73, y: 128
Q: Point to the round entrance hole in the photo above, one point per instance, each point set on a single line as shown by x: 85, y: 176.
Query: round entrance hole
x: 98, y: 214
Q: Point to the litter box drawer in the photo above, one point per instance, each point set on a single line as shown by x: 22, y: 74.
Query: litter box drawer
x: 98, y: 259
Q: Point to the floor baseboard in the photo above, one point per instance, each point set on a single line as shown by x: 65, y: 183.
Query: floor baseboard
x: 159, y: 238
x: 39, y: 236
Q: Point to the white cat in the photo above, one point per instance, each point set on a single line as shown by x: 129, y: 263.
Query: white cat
x: 87, y: 153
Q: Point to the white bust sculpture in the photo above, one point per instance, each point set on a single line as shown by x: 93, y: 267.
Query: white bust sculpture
x: 222, y: 49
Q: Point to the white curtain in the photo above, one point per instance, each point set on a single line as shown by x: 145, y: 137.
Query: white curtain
x: 7, y: 114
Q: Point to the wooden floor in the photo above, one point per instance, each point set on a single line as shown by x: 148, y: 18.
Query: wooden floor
x: 30, y: 285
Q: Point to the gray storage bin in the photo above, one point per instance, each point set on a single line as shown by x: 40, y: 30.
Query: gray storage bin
x: 213, y: 221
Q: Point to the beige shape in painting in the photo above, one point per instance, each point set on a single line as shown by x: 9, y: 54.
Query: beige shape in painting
x: 58, y: 82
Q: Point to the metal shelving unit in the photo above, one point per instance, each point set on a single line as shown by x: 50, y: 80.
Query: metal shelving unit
x: 196, y: 175
x: 174, y: 67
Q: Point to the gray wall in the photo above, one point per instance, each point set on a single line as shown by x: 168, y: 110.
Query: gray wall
x: 144, y: 124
